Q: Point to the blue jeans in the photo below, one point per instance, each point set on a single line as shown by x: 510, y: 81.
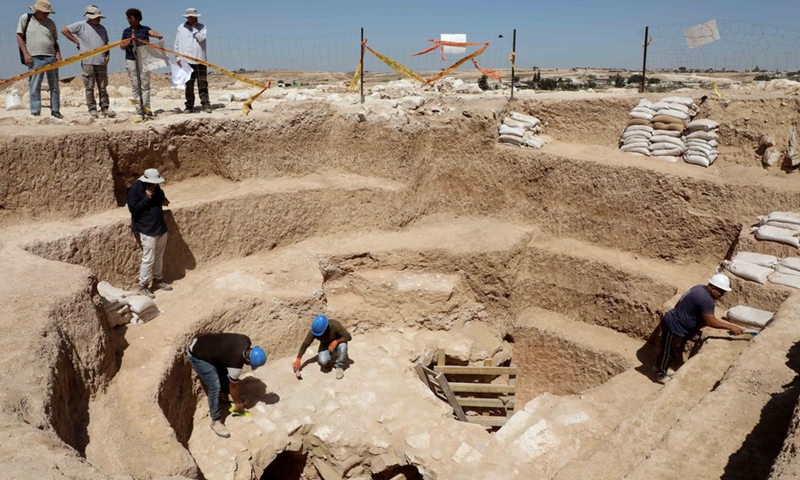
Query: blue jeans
x: 35, y: 85
x: 214, y: 380
x: 324, y: 356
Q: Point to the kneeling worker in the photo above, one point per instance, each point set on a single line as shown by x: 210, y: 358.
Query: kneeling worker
x: 694, y: 310
x: 218, y: 359
x: 332, y: 337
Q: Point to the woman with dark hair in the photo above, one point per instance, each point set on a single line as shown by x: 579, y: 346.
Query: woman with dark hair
x: 140, y: 80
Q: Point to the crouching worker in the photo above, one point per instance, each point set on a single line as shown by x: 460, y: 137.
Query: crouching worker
x: 333, y: 337
x: 218, y: 359
x: 694, y: 310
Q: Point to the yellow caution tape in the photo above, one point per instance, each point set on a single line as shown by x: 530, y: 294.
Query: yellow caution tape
x: 457, y: 64
x: 647, y: 43
x: 356, y: 78
x: 238, y: 413
x: 512, y: 57
x: 487, y: 71
x: 793, y: 91
x: 395, y: 65
x: 716, y: 89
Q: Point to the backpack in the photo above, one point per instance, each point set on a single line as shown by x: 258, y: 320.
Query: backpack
x: 24, y: 33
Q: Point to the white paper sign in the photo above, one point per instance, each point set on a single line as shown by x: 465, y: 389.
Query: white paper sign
x: 454, y: 37
x: 702, y: 34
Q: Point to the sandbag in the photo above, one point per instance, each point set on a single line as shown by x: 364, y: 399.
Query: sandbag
x: 644, y: 103
x: 697, y: 160
x: 659, y: 105
x: 791, y: 262
x: 533, y: 121
x: 666, y: 152
x: 777, y: 234
x: 761, y: 259
x: 701, y: 134
x: 749, y: 316
x: 785, y: 280
x: 786, y: 217
x: 702, y: 124
x: 659, y: 125
x: 628, y: 134
x: 667, y: 158
x: 516, y: 123
x: 645, y: 116
x: 13, y: 102
x: 666, y: 146
x: 749, y: 271
x: 667, y: 139
x: 637, y: 121
x: 506, y: 130
x: 632, y: 145
x: 512, y: 140
x: 787, y: 270
x: 668, y: 133
x: 640, y: 128
x: 682, y: 100
x: 790, y: 226
x: 669, y: 120
x: 638, y: 150
x: 673, y: 113
x: 534, y: 142
x: 643, y: 109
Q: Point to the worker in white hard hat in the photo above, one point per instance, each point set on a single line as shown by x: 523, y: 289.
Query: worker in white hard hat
x: 694, y: 310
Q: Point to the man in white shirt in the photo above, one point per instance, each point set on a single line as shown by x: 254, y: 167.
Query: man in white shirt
x: 191, y: 41
x: 89, y: 35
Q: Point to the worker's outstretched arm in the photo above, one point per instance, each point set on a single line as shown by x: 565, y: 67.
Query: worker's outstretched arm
x: 713, y: 322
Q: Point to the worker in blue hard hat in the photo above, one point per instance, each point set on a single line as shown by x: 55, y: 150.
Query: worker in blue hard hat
x: 333, y: 337
x: 218, y: 359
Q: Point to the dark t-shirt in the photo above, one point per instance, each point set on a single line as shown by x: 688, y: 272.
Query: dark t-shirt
x: 223, y: 350
x: 335, y: 330
x: 147, y: 215
x: 142, y: 33
x: 687, y: 317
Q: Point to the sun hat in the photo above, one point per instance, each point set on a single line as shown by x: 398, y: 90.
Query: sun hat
x: 191, y: 12
x: 92, y: 12
x: 42, y: 6
x: 151, y: 175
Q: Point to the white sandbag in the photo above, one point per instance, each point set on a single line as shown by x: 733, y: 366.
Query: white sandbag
x: 225, y: 97
x: 637, y: 140
x: 701, y: 134
x: 659, y: 105
x: 786, y: 280
x: 697, y: 152
x: 120, y: 316
x: 667, y: 139
x: 639, y: 151
x: 671, y: 152
x: 13, y: 102
x: 642, y: 109
x: 111, y: 293
x: 639, y: 128
x: 512, y: 140
x: 790, y: 226
x: 533, y: 121
x: 644, y: 103
x: 682, y: 100
x: 697, y: 160
x: 791, y: 262
x: 140, y: 303
x: 749, y: 316
x: 643, y: 116
x: 749, y: 271
x: 787, y: 270
x: 699, y: 144
x: 673, y: 113
x: 786, y: 217
x: 776, y: 234
x: 678, y: 106
x: 667, y: 158
x: 506, y: 130
x: 645, y: 135
x: 535, y: 142
x: 516, y: 123
x: 630, y: 146
x: 704, y: 124
x: 668, y: 133
x: 667, y: 146
x: 713, y: 156
x: 761, y: 259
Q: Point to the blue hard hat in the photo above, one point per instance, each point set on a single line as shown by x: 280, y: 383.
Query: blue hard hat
x: 319, y: 325
x: 258, y: 357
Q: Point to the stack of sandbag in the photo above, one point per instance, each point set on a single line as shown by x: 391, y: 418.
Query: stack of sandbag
x: 748, y: 316
x: 521, y: 130
x: 122, y: 306
x: 636, y: 136
x: 782, y: 227
x: 787, y: 273
x: 701, y: 142
x: 670, y: 119
x: 756, y: 267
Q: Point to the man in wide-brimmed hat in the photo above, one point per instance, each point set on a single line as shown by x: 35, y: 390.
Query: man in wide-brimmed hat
x: 146, y: 202
x: 191, y: 41
x: 37, y: 38
x: 89, y: 35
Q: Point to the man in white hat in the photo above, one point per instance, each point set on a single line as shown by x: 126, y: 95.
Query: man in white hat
x: 89, y: 35
x: 694, y: 310
x: 37, y: 38
x: 146, y: 202
x: 191, y: 41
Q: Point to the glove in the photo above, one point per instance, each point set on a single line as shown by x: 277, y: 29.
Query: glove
x: 242, y: 412
x: 332, y: 346
x: 296, y: 364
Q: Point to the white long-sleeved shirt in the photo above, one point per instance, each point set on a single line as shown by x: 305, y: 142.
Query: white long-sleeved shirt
x: 191, y: 40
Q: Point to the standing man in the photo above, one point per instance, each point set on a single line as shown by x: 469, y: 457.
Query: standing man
x: 141, y: 90
x: 191, y: 41
x: 37, y: 38
x: 332, y: 337
x: 694, y: 310
x: 89, y: 35
x: 218, y: 359
x: 146, y: 202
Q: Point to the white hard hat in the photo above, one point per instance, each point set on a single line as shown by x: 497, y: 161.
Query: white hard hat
x: 720, y: 281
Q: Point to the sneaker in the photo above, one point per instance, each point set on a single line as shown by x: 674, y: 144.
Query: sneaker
x: 161, y: 285
x: 146, y: 292
x: 150, y: 114
x: 339, y: 373
x: 188, y: 110
x: 219, y: 429
x: 208, y: 109
x: 670, y: 372
x: 57, y: 115
x: 663, y: 379
x: 93, y: 113
x: 35, y: 114
x: 109, y: 113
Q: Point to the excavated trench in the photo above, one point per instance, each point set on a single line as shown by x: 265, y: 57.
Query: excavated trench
x: 584, y: 256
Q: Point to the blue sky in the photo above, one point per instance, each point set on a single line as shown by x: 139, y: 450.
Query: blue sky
x: 322, y: 34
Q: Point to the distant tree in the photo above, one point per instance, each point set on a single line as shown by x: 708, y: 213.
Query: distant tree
x: 619, y: 82
x: 763, y: 78
x: 483, y: 82
x: 681, y: 69
x: 653, y: 81
x: 548, y: 84
x: 635, y: 79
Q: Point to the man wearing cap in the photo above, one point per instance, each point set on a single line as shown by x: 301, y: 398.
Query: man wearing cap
x: 37, y: 38
x: 89, y: 35
x: 146, y: 202
x: 694, y: 310
x: 332, y: 337
x: 218, y: 359
x: 191, y: 41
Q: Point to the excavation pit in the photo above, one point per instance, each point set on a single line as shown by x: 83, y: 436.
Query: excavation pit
x: 416, y: 239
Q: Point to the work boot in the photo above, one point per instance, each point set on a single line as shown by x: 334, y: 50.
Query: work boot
x: 159, y: 284
x: 93, y: 113
x: 188, y: 110
x: 339, y: 373
x: 146, y: 292
x: 219, y: 429
x: 207, y: 109
x: 109, y: 113
x: 57, y: 115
